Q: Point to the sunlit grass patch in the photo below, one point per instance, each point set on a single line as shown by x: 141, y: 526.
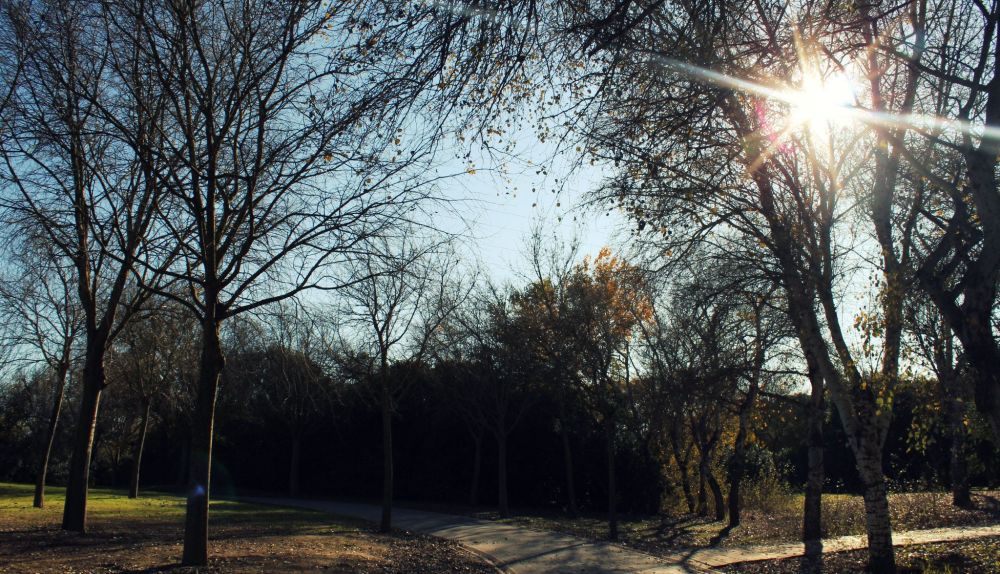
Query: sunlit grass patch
x: 146, y: 534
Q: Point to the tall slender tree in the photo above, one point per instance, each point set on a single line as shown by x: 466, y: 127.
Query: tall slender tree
x: 398, y: 295
x: 44, y: 322
x: 73, y: 169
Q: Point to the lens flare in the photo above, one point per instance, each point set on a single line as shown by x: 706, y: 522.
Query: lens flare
x: 858, y: 114
x: 822, y: 101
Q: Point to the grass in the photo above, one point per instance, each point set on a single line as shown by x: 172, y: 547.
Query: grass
x: 144, y: 535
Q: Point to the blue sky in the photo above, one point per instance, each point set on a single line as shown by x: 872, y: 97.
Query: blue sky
x: 502, y: 201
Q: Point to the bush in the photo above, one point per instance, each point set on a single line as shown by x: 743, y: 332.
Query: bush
x: 767, y: 493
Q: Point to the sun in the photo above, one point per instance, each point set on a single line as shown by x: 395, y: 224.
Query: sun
x: 820, y: 103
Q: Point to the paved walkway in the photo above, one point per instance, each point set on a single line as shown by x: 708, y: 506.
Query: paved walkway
x: 512, y: 549
x: 524, y: 551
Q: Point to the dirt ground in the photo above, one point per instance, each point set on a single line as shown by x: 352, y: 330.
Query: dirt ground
x: 145, y: 536
x: 842, y: 515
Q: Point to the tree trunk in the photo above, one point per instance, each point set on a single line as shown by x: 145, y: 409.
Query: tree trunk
x: 200, y: 463
x: 702, y: 506
x: 960, y: 491
x: 75, y: 508
x: 955, y: 392
x: 737, y: 469
x: 572, y: 507
x: 971, y: 321
x: 502, y: 502
x: 718, y: 501
x: 43, y: 465
x: 386, y: 523
x: 959, y: 463
x: 880, y: 554
x: 609, y: 438
x: 133, y: 491
x: 862, y: 428
x: 707, y: 476
x: 477, y: 465
x: 293, y: 469
x: 812, y: 514
x: 682, y: 468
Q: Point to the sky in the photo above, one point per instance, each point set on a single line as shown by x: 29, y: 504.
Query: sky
x: 499, y: 205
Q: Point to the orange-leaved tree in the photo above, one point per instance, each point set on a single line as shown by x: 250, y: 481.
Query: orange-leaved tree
x: 606, y: 302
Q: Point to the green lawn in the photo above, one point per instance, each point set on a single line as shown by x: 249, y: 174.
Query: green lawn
x: 107, y: 506
x: 145, y: 534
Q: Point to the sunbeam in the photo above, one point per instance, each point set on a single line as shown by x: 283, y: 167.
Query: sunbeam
x: 830, y: 102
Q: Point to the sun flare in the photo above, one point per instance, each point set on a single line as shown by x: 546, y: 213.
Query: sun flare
x: 822, y: 102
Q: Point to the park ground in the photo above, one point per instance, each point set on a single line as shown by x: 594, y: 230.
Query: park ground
x: 776, y: 518
x: 144, y: 535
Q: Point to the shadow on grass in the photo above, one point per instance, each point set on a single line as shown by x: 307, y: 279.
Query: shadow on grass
x: 722, y: 535
x: 812, y: 562
x: 989, y: 504
x: 676, y: 530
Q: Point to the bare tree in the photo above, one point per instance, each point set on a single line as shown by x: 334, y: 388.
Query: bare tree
x: 45, y: 321
x: 290, y: 139
x: 285, y: 381
x: 705, y: 156
x: 147, y: 355
x: 492, y: 347
x: 935, y: 344
x: 606, y: 302
x: 951, y: 167
x: 552, y: 265
x: 399, y: 293
x: 70, y: 169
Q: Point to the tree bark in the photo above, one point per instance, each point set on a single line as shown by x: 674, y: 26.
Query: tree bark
x: 609, y: 437
x: 880, y: 555
x: 50, y: 436
x: 959, y: 467
x: 737, y: 467
x: 133, y: 491
x: 572, y: 508
x: 702, y: 506
x: 706, y: 446
x: 718, y: 501
x: 955, y: 393
x: 200, y: 462
x: 682, y: 468
x: 387, y: 467
x: 502, y: 502
x: 293, y: 469
x: 737, y: 470
x: 812, y: 514
x: 960, y: 489
x: 75, y: 508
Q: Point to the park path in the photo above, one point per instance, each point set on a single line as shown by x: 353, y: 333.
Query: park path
x: 525, y: 551
x: 511, y: 548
